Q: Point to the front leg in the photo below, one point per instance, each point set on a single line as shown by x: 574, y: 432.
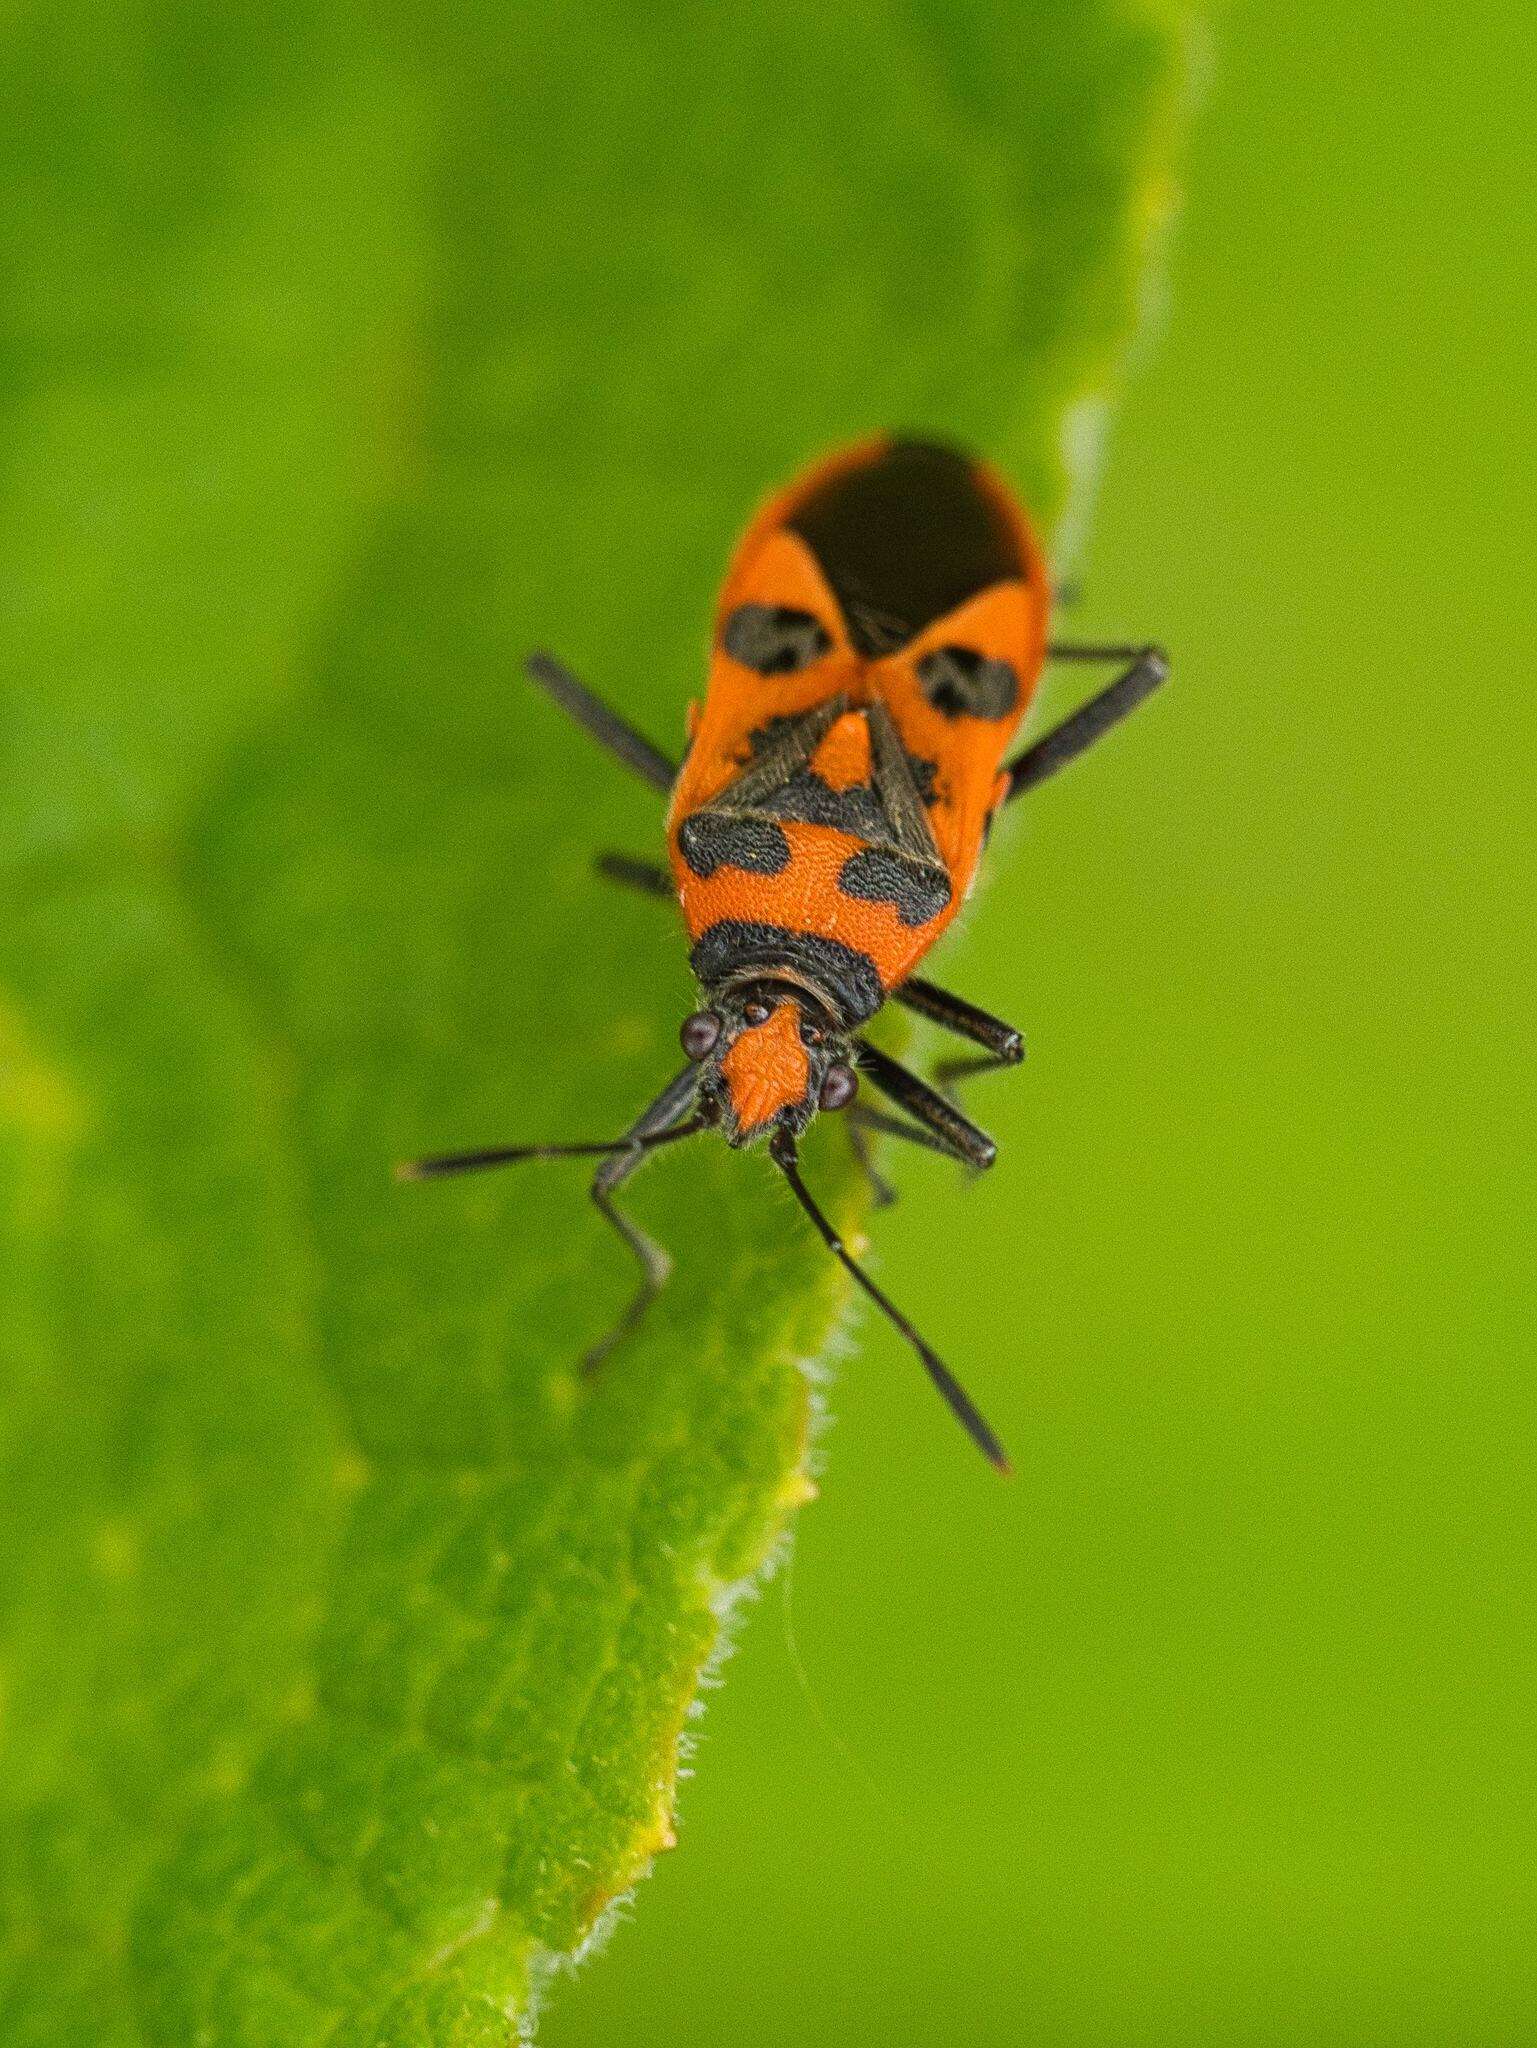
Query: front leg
x: 937, y: 1122
x: 859, y: 1122
x: 1002, y: 1044
x: 655, y: 1264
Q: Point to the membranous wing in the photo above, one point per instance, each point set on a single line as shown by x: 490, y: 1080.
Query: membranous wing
x: 842, y: 769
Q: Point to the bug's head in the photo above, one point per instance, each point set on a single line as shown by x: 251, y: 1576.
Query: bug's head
x: 769, y: 1057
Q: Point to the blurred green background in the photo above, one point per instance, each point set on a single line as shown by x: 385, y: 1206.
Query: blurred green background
x: 1217, y: 1726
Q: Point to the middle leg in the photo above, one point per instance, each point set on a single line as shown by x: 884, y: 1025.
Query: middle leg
x: 645, y: 877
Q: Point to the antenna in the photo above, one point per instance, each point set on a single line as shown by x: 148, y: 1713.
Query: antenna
x: 782, y: 1152
x: 447, y: 1163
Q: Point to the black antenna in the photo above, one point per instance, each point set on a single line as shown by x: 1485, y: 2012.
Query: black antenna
x: 510, y: 1155
x: 782, y: 1152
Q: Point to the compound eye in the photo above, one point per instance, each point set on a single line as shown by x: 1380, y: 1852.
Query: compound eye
x: 840, y: 1084
x: 757, y: 1013
x: 698, y: 1034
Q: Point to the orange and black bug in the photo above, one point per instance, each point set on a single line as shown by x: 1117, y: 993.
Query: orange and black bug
x: 877, y: 643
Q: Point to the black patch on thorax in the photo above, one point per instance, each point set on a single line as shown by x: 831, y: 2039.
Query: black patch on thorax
x: 735, y: 947
x: 809, y: 800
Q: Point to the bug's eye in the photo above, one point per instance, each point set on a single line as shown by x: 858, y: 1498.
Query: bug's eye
x: 812, y: 1034
x: 840, y: 1084
x: 699, y: 1034
x: 757, y: 1013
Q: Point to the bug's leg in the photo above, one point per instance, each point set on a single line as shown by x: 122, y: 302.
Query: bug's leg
x: 645, y: 877
x: 1097, y: 650
x: 605, y: 726
x: 938, y: 1123
x: 949, y: 1074
x: 1065, y: 742
x: 860, y: 1120
x: 655, y: 1264
x: 899, y: 1127
x: 1002, y: 1044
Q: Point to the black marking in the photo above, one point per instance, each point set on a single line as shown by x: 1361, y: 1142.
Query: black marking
x: 897, y: 860
x: 709, y: 839
x: 769, y: 736
x: 808, y: 800
x: 905, y: 538
x: 802, y: 795
x: 964, y: 684
x: 925, y: 779
x: 847, y: 979
x: 917, y: 890
x: 775, y: 639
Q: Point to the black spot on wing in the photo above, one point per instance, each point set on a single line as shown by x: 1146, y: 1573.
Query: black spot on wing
x: 810, y: 801
x: 856, y: 809
x: 917, y: 890
x: 774, y: 639
x: 712, y: 839
x: 905, y: 538
x: 770, y: 737
x: 735, y: 947
x: 925, y: 778
x: 964, y: 684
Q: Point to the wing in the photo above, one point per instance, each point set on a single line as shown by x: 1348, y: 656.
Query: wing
x: 942, y: 592
x: 956, y: 695
x: 781, y: 650
x: 877, y: 638
x: 845, y: 775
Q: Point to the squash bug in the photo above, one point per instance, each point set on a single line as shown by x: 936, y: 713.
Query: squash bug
x: 878, y: 640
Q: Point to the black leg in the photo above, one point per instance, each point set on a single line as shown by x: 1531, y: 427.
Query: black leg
x: 605, y: 726
x: 946, y: 1128
x: 645, y: 877
x: 1097, y: 650
x: 949, y: 1073
x: 1003, y: 1046
x: 655, y: 1264
x: 912, y: 1134
x: 1090, y: 721
x: 860, y: 1120
x: 954, y: 1013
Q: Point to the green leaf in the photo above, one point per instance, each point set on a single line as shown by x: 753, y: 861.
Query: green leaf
x: 347, y: 1636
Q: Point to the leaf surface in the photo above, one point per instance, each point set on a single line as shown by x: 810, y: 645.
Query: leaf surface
x: 347, y: 1636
